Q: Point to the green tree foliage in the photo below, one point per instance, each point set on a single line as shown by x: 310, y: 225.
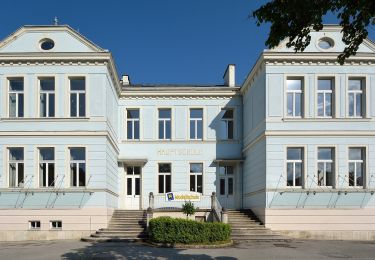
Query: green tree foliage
x: 293, y: 19
x: 188, y: 208
x: 174, y: 230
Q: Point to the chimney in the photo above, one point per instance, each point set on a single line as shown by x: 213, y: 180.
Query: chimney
x: 229, y: 76
x: 125, y: 80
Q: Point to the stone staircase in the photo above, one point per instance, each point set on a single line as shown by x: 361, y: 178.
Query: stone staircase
x: 125, y: 225
x: 247, y: 227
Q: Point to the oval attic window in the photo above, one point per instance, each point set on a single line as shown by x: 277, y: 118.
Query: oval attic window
x: 325, y: 43
x: 47, y: 44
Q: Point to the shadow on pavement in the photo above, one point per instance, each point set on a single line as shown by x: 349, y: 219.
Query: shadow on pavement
x: 108, y: 250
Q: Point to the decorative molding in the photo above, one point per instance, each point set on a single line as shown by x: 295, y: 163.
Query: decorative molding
x: 55, y: 190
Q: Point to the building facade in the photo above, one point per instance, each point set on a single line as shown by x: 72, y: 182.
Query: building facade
x: 295, y: 143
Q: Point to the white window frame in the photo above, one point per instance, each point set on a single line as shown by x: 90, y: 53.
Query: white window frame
x: 196, y: 174
x: 325, y: 161
x: 364, y: 167
x: 17, y: 162
x: 164, y: 177
x: 324, y: 93
x: 77, y: 93
x: 77, y: 162
x: 226, y: 176
x: 48, y: 94
x: 361, y: 92
x: 294, y: 92
x: 195, y: 122
x: 47, y: 162
x: 133, y: 120
x: 31, y: 225
x: 226, y: 122
x: 164, y: 122
x: 294, y: 161
x: 55, y: 228
x: 17, y: 93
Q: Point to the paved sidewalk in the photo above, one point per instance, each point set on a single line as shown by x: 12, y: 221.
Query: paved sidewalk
x: 296, y: 249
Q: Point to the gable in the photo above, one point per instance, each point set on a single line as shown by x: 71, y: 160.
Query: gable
x: 331, y: 34
x: 28, y: 39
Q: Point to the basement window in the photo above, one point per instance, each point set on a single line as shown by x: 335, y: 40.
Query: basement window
x: 56, y: 224
x: 34, y: 224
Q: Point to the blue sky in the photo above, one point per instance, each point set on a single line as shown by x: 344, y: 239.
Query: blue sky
x: 158, y: 41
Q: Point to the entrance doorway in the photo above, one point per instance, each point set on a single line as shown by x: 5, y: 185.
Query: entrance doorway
x: 226, y: 186
x: 133, y: 187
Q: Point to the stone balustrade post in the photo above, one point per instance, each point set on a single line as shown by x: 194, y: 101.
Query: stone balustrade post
x: 224, y: 216
x: 150, y: 215
x: 151, y: 200
x: 213, y: 200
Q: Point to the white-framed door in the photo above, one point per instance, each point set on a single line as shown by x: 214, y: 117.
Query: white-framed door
x: 133, y: 187
x: 225, y: 187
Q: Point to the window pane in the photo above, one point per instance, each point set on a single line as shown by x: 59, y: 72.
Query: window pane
x: 164, y: 113
x: 298, y: 174
x: 20, y: 105
x: 290, y: 104
x: 328, y: 104
x: 289, y: 170
x: 161, y: 183
x: 192, y: 182
x: 230, y: 130
x: 129, y: 170
x: 294, y: 84
x: 73, y: 104
x: 51, y: 174
x: 200, y: 129
x: 359, y: 177
x: 46, y: 153
x: 294, y: 154
x: 222, y: 170
x: 355, y: 154
x: 298, y: 111
x: 228, y: 114
x: 12, y: 105
x: 82, y: 104
x: 324, y: 84
x: 12, y: 175
x: 133, y: 113
x: 320, y: 105
x: 196, y: 113
x: 136, y: 129
x: 82, y: 174
x: 325, y: 153
x: 196, y: 168
x: 320, y: 174
x: 358, y: 105
x: 51, y: 105
x: 230, y: 170
x: 192, y: 129
x: 43, y: 174
x: 16, y: 154
x: 167, y: 183
x: 351, y: 174
x: 47, y: 84
x: 200, y: 183
x: 77, y: 84
x: 222, y: 186
x: 168, y: 130
x: 129, y: 129
x: 137, y: 170
x: 16, y: 84
x: 21, y: 175
x: 161, y: 130
x: 355, y: 84
x: 73, y: 172
x: 164, y: 167
x: 230, y: 186
x: 137, y: 186
x: 43, y: 104
x: 129, y: 186
x: 77, y: 153
x: 329, y: 174
x: 351, y: 104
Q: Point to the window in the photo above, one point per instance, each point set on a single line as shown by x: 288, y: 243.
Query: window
x: 326, y: 166
x: 77, y: 97
x: 16, y: 167
x: 47, y: 97
x: 227, y: 124
x: 226, y: 177
x: 325, y: 43
x: 55, y: 224
x: 294, y: 165
x: 325, y: 97
x: 77, y: 166
x: 47, y: 44
x: 196, y: 124
x: 196, y: 177
x: 133, y: 180
x: 34, y: 224
x: 357, y: 170
x: 132, y: 124
x: 16, y: 97
x: 356, y: 98
x: 294, y: 96
x: 46, y: 167
x: 164, y: 177
x: 165, y: 123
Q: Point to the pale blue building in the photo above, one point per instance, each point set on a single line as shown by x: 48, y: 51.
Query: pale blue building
x: 295, y: 143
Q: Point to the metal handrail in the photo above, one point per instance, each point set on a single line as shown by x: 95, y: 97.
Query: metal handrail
x: 27, y: 191
x: 56, y: 190
x: 22, y: 188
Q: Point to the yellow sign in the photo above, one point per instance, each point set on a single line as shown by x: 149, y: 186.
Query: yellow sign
x: 183, y: 196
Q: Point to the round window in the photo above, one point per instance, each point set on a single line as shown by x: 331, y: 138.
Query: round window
x: 47, y: 44
x: 325, y: 43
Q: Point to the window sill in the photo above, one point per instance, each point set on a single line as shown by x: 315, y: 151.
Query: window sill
x: 43, y: 119
x: 328, y: 119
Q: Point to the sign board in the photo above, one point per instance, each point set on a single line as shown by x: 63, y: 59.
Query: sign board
x: 183, y: 196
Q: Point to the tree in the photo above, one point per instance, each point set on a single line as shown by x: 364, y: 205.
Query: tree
x: 188, y: 208
x: 293, y: 19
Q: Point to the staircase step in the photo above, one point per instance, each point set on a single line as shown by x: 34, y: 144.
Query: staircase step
x: 110, y: 239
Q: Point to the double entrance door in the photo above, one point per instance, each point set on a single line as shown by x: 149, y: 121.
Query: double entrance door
x: 225, y: 187
x: 133, y: 187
